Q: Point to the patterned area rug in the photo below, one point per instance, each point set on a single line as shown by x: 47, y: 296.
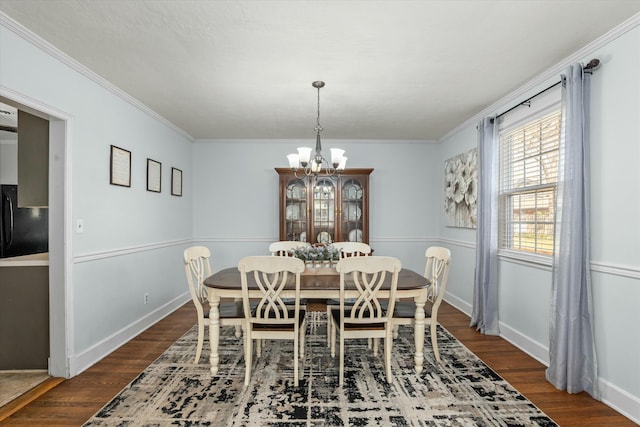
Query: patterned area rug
x: 463, y: 392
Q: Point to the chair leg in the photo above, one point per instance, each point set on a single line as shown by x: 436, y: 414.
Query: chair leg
x: 302, y: 338
x: 296, y: 356
x: 200, y: 339
x: 333, y: 340
x: 396, y: 328
x: 375, y: 346
x: 248, y: 351
x: 329, y: 325
x: 388, y: 342
x: 238, y: 331
x: 434, y: 340
x: 341, y: 375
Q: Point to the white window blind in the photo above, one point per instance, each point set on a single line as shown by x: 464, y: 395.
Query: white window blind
x: 528, y: 178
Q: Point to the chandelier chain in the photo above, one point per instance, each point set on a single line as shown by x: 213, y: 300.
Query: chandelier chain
x: 318, y: 126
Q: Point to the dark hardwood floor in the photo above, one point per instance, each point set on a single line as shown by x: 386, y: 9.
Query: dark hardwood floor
x: 74, y: 401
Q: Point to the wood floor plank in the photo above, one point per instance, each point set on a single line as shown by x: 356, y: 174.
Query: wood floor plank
x: 74, y: 401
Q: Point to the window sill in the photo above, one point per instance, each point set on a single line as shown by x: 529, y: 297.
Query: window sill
x: 526, y: 259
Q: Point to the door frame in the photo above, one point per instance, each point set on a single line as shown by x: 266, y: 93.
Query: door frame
x: 60, y: 228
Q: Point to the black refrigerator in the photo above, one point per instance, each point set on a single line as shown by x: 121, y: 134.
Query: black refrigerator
x: 23, y: 231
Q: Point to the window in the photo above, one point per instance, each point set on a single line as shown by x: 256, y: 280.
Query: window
x: 527, y: 190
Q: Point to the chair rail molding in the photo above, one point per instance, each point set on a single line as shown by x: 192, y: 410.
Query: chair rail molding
x: 228, y: 239
x: 631, y: 271
x: 93, y: 256
x: 387, y: 240
x: 460, y: 243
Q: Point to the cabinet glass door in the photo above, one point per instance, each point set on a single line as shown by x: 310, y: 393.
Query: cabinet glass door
x: 324, y: 196
x: 352, y: 210
x: 296, y: 210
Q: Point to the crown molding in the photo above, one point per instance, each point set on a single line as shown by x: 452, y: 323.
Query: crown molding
x: 21, y: 31
x: 516, y: 97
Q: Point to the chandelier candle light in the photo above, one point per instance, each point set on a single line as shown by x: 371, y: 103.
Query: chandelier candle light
x: 314, y: 166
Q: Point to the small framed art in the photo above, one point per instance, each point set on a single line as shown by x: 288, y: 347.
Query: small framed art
x: 176, y: 182
x: 154, y: 175
x: 120, y: 167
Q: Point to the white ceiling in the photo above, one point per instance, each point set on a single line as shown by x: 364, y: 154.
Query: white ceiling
x: 393, y: 69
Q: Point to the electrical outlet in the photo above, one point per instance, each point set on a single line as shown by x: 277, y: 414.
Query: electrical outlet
x: 146, y: 298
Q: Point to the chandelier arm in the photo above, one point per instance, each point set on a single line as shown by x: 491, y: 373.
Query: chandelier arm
x: 314, y: 166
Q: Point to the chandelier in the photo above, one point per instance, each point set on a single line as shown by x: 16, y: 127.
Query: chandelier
x: 314, y: 166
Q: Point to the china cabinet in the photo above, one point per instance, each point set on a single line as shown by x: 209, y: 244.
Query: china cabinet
x: 324, y: 209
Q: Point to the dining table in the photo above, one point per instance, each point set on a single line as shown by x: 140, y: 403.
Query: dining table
x: 315, y: 284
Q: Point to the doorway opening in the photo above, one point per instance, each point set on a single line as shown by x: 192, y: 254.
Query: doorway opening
x: 59, y: 202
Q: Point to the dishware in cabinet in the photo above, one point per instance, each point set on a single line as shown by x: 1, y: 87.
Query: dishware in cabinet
x: 324, y: 209
x: 293, y: 209
x: 354, y: 213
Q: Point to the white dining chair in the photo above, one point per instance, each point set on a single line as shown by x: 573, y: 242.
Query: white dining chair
x: 272, y: 319
x: 437, y: 272
x: 348, y: 249
x: 283, y: 247
x: 197, y: 268
x: 345, y: 250
x: 366, y: 317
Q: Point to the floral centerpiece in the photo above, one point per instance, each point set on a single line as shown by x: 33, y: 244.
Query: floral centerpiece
x: 318, y: 256
x: 333, y: 254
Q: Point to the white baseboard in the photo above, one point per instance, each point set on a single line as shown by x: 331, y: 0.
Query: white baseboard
x: 526, y: 344
x: 89, y: 357
x: 458, y: 303
x: 610, y: 394
x: 620, y: 400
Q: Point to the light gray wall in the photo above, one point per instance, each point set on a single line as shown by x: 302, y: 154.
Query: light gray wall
x: 525, y: 287
x: 236, y: 210
x: 460, y: 241
x: 133, y: 239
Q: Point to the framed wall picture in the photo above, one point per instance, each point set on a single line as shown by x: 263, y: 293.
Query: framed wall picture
x: 120, y: 167
x: 461, y: 189
x: 154, y: 175
x: 176, y: 182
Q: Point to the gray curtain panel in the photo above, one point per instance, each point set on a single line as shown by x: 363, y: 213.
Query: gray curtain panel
x: 485, y: 293
x: 573, y: 365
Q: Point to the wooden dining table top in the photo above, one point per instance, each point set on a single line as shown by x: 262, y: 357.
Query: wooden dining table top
x: 229, y: 279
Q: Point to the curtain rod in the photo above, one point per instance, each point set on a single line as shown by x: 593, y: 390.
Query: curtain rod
x: 592, y: 65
